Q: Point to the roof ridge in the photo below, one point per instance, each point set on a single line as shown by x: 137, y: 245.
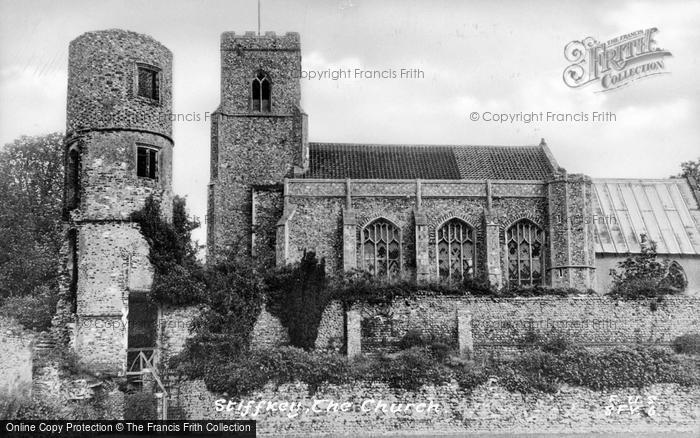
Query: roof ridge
x: 530, y: 146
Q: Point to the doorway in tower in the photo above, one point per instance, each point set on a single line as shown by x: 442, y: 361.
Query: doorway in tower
x: 142, y: 352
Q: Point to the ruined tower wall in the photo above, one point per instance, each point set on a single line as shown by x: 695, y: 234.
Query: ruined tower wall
x: 107, y: 121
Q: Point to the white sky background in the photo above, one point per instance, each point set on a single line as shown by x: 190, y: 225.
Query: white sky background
x: 504, y: 57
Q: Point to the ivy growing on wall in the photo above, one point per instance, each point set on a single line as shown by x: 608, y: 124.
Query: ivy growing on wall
x: 178, y: 277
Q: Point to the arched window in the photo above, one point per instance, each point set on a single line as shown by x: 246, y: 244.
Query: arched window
x: 456, y: 250
x: 676, y: 277
x: 381, y: 248
x: 525, y: 242
x: 261, y: 93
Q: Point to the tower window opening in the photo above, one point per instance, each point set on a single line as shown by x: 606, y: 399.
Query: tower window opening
x: 148, y: 83
x: 147, y: 162
x: 261, y: 93
x: 73, y: 178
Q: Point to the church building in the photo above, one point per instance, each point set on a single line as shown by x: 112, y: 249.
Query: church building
x: 508, y: 213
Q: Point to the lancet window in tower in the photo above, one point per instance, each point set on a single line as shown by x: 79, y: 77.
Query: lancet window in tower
x: 147, y: 162
x: 148, y: 82
x: 525, y: 243
x: 381, y: 248
x: 260, y: 97
x: 456, y: 250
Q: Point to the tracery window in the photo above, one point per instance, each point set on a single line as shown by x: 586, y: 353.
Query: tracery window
x: 456, y: 248
x: 261, y: 93
x: 381, y: 248
x: 525, y: 242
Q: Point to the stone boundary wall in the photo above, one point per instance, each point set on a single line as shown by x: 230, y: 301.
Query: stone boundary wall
x: 15, y: 356
x: 488, y: 408
x: 498, y: 324
x: 501, y: 323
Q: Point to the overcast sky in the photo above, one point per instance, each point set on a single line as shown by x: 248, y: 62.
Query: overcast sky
x: 503, y: 57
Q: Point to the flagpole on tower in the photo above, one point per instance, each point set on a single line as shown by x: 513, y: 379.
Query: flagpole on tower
x: 258, y: 17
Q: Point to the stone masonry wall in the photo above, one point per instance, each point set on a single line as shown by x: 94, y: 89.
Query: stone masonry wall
x: 112, y: 260
x: 109, y: 186
x: 503, y: 323
x: 447, y: 409
x: 102, y: 83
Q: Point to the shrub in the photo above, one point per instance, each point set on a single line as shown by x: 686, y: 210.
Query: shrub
x: 551, y: 342
x: 409, y: 369
x: 642, y: 276
x: 222, y: 330
x: 412, y: 338
x: 298, y: 296
x: 140, y: 406
x: 688, y: 343
x: 178, y: 277
x: 33, y: 311
x: 19, y: 406
x: 437, y: 346
x: 253, y: 371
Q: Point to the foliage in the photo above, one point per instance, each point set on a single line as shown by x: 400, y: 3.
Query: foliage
x: 178, y: 277
x: 642, y: 276
x: 688, y: 343
x: 18, y: 405
x: 409, y: 369
x: 691, y: 169
x: 552, y: 342
x: 438, y: 347
x: 31, y: 177
x: 140, y: 406
x: 33, y: 311
x: 230, y: 308
x: 541, y: 370
x: 297, y: 295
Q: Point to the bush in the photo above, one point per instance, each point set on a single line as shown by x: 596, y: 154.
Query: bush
x: 438, y: 347
x: 297, y: 295
x: 33, y: 311
x: 140, y: 406
x: 19, y: 406
x: 253, y: 371
x: 178, y: 277
x: 688, y: 343
x: 642, y: 276
x: 551, y: 342
x: 222, y: 330
x: 409, y: 369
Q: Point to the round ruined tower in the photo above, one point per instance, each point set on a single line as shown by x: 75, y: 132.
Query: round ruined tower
x: 118, y: 153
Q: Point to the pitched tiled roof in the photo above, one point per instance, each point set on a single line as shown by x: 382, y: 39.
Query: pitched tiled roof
x: 666, y: 211
x: 369, y: 161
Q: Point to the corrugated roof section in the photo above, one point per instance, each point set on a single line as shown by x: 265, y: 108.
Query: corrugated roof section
x: 665, y: 210
x: 366, y: 161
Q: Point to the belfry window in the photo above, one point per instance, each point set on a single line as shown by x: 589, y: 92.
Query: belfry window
x: 381, y: 248
x: 525, y: 243
x: 260, y: 93
x: 148, y: 82
x: 146, y: 162
x: 456, y: 250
